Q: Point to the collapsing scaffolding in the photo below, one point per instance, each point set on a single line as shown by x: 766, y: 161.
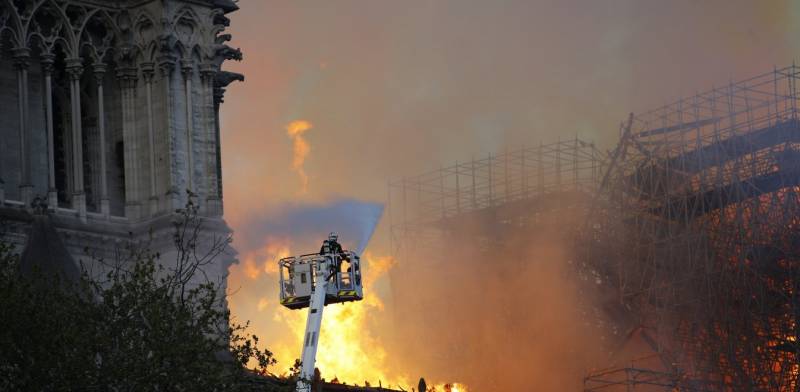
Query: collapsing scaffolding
x: 697, y: 227
x: 502, y: 191
x: 637, y: 375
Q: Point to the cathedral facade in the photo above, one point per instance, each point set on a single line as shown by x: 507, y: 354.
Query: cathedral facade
x: 109, y: 118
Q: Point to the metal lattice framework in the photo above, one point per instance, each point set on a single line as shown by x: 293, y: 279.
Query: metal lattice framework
x: 500, y: 191
x: 447, y: 221
x: 637, y: 375
x: 696, y: 228
x: 695, y: 225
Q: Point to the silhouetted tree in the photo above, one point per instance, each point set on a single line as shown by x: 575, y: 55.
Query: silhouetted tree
x: 146, y: 326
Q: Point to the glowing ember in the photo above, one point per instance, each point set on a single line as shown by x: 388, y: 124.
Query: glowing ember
x: 451, y: 388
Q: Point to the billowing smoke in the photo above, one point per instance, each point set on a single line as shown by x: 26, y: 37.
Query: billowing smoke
x: 432, y: 92
x: 306, y: 225
x: 497, y: 307
x: 494, y: 308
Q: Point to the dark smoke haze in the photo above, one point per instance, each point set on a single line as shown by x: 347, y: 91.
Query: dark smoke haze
x: 398, y: 88
x: 506, y: 316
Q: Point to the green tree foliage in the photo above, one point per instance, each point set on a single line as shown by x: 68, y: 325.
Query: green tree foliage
x: 145, y: 327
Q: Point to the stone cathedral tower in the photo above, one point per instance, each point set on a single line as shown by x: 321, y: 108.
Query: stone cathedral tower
x: 109, y: 111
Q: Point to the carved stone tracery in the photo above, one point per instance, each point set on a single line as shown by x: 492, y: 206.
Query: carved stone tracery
x: 110, y: 112
x: 69, y: 48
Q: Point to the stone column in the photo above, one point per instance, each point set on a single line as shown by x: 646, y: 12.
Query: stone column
x: 221, y: 80
x: 219, y: 95
x: 99, y: 77
x: 2, y: 183
x: 75, y: 70
x: 127, y: 82
x: 148, y: 70
x: 187, y: 77
x: 166, y: 64
x: 22, y: 62
x: 213, y: 202
x: 52, y: 192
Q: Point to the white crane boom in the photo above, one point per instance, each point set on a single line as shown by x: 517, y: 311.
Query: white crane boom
x: 314, y: 281
x: 313, y: 324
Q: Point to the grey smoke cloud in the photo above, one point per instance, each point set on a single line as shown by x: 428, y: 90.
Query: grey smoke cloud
x: 307, y: 224
x: 397, y: 89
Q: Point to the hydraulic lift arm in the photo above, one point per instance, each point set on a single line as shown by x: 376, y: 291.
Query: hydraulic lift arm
x: 313, y: 324
x: 312, y: 281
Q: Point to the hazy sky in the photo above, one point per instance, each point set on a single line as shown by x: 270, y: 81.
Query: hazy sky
x: 393, y: 88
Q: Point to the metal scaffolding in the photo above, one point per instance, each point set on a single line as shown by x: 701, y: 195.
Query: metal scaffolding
x: 638, y: 374
x: 696, y: 228
x: 445, y: 225
x: 692, y: 222
x: 501, y: 191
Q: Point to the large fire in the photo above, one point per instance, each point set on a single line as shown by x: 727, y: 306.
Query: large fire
x: 348, y: 350
x: 351, y: 349
x: 257, y: 262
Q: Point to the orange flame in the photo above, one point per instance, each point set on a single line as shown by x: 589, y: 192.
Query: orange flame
x: 263, y: 303
x: 351, y: 348
x: 301, y: 148
x: 265, y: 259
x: 450, y: 388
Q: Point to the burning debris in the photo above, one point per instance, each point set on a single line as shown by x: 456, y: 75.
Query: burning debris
x: 696, y: 232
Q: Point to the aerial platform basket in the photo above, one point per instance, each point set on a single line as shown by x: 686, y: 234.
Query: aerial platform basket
x: 297, y: 275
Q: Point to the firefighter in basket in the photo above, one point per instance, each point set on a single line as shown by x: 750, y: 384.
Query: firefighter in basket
x: 332, y: 247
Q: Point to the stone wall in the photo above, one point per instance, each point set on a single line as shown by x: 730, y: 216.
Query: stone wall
x: 119, y: 117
